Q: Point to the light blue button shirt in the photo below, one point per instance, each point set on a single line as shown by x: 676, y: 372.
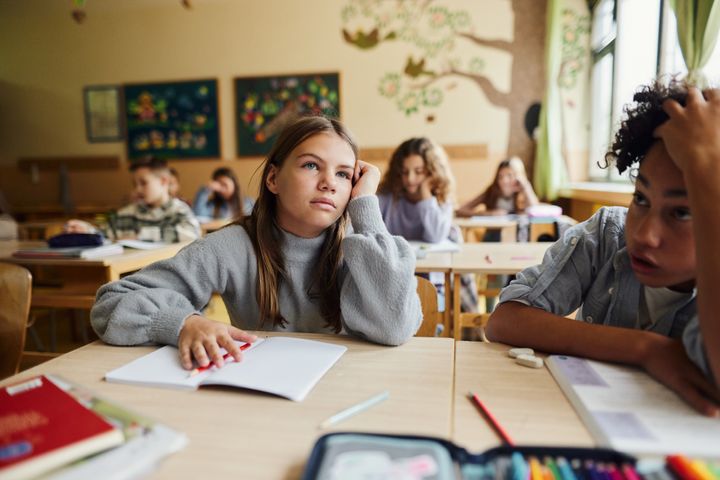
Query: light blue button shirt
x: 589, y: 269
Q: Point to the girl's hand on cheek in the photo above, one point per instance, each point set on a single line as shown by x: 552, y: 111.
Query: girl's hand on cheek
x: 426, y: 188
x: 367, y: 179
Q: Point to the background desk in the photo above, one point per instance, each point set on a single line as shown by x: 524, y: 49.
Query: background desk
x: 243, y: 434
x: 74, y: 280
x: 507, y: 226
x: 489, y: 259
x: 527, y: 402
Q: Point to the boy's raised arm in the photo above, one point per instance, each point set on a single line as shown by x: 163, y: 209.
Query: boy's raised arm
x: 692, y: 137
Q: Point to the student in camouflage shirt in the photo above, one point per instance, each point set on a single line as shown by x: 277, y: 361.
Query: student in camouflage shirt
x: 155, y: 216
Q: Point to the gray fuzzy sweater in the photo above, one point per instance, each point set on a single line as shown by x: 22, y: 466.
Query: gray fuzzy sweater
x: 378, y: 287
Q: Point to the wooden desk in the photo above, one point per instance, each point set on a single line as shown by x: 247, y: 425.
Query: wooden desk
x: 491, y: 259
x: 439, y: 262
x: 527, y: 402
x: 74, y: 280
x: 251, y: 435
x: 38, y: 230
x: 507, y: 226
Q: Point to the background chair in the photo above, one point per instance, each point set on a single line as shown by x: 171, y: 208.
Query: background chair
x: 15, y: 291
x: 429, y: 304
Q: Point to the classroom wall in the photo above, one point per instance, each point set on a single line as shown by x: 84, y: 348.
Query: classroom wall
x: 46, y: 59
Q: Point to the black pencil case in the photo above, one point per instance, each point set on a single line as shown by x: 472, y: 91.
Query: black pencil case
x: 65, y: 240
x: 344, y: 455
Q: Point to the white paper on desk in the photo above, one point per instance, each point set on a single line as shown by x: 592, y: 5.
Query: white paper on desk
x: 142, y: 245
x: 284, y: 366
x: 423, y: 248
x: 626, y: 409
x: 493, y: 219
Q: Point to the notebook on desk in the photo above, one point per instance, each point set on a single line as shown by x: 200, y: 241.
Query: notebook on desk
x: 626, y: 409
x: 284, y: 366
x: 71, y: 252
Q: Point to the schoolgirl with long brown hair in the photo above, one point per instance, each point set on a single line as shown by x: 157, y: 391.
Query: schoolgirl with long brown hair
x: 293, y: 264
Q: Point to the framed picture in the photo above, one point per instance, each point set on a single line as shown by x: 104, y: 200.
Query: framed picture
x: 102, y: 113
x: 264, y: 105
x: 172, y: 119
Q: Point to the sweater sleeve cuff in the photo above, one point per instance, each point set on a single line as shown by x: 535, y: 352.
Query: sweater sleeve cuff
x: 166, y: 325
x: 365, y: 215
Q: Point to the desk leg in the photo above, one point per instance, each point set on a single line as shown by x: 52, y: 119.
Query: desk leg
x: 508, y: 234
x: 449, y: 302
x: 457, y: 324
x: 111, y: 274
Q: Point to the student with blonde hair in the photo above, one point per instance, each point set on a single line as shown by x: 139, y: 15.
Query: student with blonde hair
x: 291, y: 265
x: 510, y: 192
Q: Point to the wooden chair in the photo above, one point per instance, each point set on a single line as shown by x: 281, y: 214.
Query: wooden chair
x: 432, y: 317
x: 477, y: 320
x: 15, y: 291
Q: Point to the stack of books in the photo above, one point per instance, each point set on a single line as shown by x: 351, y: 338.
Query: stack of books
x: 70, y: 252
x: 53, y: 428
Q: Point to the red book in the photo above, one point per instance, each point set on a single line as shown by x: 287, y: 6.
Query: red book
x: 43, y: 427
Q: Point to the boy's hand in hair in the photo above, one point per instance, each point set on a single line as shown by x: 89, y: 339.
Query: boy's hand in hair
x: 367, y: 179
x: 692, y: 134
x: 667, y: 361
x: 202, y: 338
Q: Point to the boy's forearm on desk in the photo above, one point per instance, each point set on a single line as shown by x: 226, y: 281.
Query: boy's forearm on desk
x: 525, y: 326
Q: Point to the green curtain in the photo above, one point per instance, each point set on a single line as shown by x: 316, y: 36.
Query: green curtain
x: 698, y: 22
x: 550, y: 172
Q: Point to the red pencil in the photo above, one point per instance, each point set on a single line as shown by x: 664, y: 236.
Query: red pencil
x: 491, y: 419
x: 227, y: 356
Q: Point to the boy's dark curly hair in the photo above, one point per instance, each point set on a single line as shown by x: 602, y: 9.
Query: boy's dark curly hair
x: 635, y: 135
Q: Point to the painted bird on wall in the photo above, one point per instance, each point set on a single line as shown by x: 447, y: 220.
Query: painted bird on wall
x: 364, y: 40
x: 415, y: 69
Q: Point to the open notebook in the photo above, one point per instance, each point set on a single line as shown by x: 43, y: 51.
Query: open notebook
x: 284, y: 366
x: 626, y: 409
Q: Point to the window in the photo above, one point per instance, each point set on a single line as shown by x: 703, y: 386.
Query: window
x: 671, y: 60
x: 624, y: 44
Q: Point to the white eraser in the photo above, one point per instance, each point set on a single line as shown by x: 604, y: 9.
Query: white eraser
x: 516, y: 352
x: 530, y: 361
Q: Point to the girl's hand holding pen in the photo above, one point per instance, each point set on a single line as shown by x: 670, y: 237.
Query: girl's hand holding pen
x: 366, y: 179
x: 201, y: 339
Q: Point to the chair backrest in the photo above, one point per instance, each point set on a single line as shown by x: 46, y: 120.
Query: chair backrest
x: 429, y: 304
x: 15, y: 288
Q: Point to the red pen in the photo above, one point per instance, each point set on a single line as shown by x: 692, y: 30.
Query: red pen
x: 226, y: 357
x: 491, y: 419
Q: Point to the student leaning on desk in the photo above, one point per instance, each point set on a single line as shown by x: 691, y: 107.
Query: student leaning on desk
x: 154, y: 215
x: 633, y: 273
x: 292, y: 264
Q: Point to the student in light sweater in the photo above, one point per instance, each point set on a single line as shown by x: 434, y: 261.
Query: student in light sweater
x: 291, y: 265
x: 416, y: 201
x: 416, y: 192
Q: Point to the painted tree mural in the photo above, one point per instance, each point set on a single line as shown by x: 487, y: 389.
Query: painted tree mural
x: 433, y: 32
